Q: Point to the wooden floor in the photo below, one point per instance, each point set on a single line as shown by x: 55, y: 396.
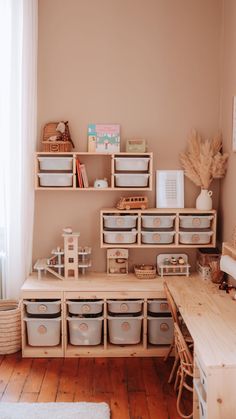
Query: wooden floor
x: 135, y: 388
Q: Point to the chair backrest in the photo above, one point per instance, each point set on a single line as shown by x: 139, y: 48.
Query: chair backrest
x: 171, y: 302
x: 185, y: 355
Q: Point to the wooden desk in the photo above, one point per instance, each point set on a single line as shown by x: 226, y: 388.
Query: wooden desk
x: 210, y: 315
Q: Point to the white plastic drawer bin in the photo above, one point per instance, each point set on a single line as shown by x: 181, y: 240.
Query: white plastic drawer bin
x: 55, y: 179
x: 125, y: 306
x: 85, y: 307
x: 124, y: 330
x: 195, y: 221
x: 190, y: 237
x: 132, y: 164
x: 55, y: 163
x: 85, y: 331
x: 160, y: 330
x: 202, y: 403
x: 158, y: 306
x: 131, y: 180
x: 120, y: 237
x: 43, y: 307
x: 120, y: 221
x: 162, y: 237
x: 157, y: 221
x: 43, y: 332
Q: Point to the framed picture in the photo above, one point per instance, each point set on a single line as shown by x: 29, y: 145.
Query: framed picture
x: 169, y: 189
x: 234, y: 125
x: 104, y: 138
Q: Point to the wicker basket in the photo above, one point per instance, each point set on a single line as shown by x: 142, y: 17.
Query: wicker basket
x: 54, y: 146
x: 145, y: 271
x: 10, y: 326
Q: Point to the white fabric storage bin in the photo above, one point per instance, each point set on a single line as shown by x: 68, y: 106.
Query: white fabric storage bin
x: 117, y: 237
x: 55, y: 163
x: 55, y: 179
x: 125, y: 306
x: 125, y: 330
x: 190, y: 237
x: 158, y: 306
x: 195, y: 221
x: 139, y: 180
x: 164, y: 237
x: 43, y: 307
x: 202, y: 401
x: 120, y: 221
x: 160, y: 330
x: 43, y: 332
x: 85, y: 331
x: 85, y: 307
x: 132, y: 164
x: 157, y: 221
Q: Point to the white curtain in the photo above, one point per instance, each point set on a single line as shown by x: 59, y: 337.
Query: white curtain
x: 18, y: 98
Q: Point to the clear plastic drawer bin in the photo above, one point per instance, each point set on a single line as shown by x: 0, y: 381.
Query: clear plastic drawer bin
x: 55, y: 163
x: 120, y: 221
x: 125, y: 330
x: 124, y: 306
x: 195, y: 221
x: 43, y: 332
x: 162, y: 237
x: 55, y: 179
x: 160, y: 330
x: 132, y: 164
x: 85, y: 307
x: 118, y: 237
x: 85, y: 331
x: 43, y: 308
x: 158, y: 221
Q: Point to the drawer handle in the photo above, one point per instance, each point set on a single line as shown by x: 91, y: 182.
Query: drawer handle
x: 83, y: 327
x: 195, y: 238
x: 120, y: 221
x: 156, y: 238
x: 164, y: 327
x: 196, y: 222
x: 120, y: 238
x: 156, y: 222
x: 125, y: 326
x: 42, y: 329
x: 164, y: 306
x: 124, y: 307
x: 86, y: 308
x: 42, y: 308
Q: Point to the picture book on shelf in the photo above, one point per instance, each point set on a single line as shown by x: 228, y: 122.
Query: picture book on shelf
x: 104, y: 138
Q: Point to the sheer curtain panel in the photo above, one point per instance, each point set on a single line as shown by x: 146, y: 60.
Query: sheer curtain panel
x: 18, y: 98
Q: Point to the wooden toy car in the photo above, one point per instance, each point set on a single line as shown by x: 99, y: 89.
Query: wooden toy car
x: 132, y: 202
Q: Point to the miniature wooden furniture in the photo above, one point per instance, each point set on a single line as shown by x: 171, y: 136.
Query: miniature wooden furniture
x: 123, y: 171
x: 184, y: 377
x: 117, y: 261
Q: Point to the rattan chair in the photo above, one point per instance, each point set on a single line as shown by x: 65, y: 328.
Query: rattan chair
x: 184, y: 377
x: 177, y: 320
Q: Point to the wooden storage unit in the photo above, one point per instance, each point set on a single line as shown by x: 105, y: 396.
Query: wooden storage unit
x: 93, y: 286
x: 158, y: 236
x: 98, y: 166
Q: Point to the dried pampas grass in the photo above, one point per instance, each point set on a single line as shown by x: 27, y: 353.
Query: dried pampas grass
x: 203, y: 161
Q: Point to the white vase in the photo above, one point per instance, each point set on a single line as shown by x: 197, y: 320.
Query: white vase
x: 204, y: 200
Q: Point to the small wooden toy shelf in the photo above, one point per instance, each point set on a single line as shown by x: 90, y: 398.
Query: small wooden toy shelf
x: 123, y: 171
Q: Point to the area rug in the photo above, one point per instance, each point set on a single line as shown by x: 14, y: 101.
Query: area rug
x: 80, y: 410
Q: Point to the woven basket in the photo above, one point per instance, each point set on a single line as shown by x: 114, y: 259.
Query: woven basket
x: 142, y: 271
x: 54, y: 146
x: 10, y: 326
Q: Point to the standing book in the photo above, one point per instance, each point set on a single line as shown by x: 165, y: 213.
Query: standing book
x: 84, y: 175
x: 79, y: 174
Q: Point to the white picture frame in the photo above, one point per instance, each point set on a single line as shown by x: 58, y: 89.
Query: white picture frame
x: 169, y: 189
x: 234, y: 125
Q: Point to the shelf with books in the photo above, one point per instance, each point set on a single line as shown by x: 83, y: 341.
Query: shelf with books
x: 91, y: 171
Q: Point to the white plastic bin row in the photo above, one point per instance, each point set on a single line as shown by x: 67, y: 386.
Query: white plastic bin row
x: 86, y: 307
x: 195, y: 221
x: 85, y: 331
x: 125, y: 330
x: 125, y: 306
x: 191, y: 237
x: 128, y: 180
x: 160, y: 330
x: 43, y: 308
x: 55, y: 163
x: 117, y: 237
x: 43, y: 332
x: 158, y: 221
x: 120, y: 221
x: 55, y: 179
x: 160, y: 237
x: 132, y: 164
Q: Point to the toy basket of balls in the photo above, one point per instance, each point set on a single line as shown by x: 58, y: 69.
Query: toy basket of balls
x: 145, y: 271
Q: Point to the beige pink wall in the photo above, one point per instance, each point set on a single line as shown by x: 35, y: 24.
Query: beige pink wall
x: 152, y: 66
x: 228, y: 82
